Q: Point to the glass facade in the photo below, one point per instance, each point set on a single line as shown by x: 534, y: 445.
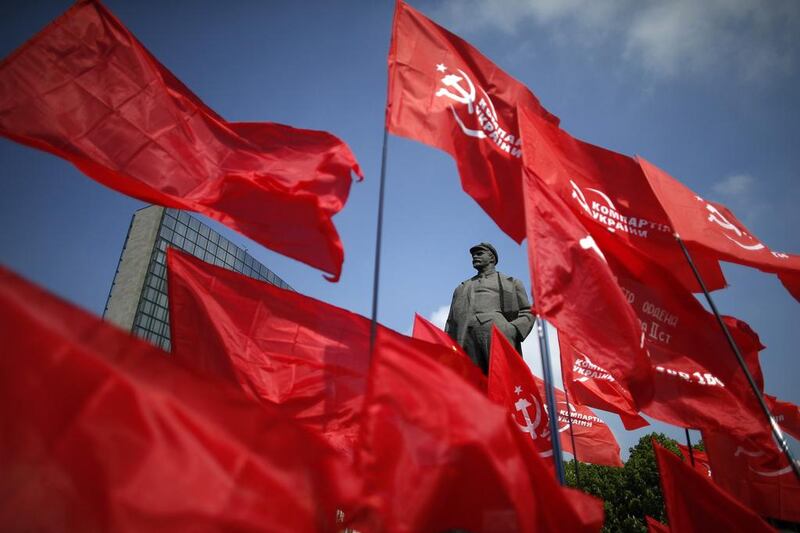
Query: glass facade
x: 182, y: 231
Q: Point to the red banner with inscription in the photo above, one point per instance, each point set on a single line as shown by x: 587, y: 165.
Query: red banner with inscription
x: 590, y: 384
x: 610, y: 195
x: 443, y: 92
x: 712, y: 228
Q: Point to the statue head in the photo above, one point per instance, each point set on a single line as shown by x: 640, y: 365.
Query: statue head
x: 483, y: 254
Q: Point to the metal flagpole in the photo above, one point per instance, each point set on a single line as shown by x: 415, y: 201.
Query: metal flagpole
x: 571, y: 433
x: 776, y: 431
x: 689, y: 445
x: 373, y: 329
x: 544, y: 350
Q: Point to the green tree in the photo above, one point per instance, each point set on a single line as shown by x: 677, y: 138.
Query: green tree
x: 630, y: 492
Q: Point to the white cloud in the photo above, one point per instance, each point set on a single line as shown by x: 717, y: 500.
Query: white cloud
x: 439, y: 317
x: 751, y: 38
x: 736, y: 186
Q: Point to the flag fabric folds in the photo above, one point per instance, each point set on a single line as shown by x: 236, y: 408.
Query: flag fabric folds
x: 590, y: 384
x: 278, y: 345
x: 654, y: 526
x: 575, y: 289
x: 694, y: 503
x: 713, y: 228
x: 86, y: 90
x: 102, y: 432
x: 438, y: 455
x: 446, y: 94
x: 760, y: 478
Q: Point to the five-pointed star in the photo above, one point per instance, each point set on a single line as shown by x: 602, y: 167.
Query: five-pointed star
x: 440, y: 67
x: 517, y: 390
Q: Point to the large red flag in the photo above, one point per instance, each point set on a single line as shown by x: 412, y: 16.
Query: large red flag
x: 712, y: 228
x: 761, y: 479
x: 694, y: 503
x: 102, y: 432
x: 700, y: 459
x: 611, y: 196
x: 590, y: 384
x: 278, y: 345
x: 444, y: 93
x: 575, y: 289
x: 512, y: 385
x: 436, y: 454
x: 86, y: 90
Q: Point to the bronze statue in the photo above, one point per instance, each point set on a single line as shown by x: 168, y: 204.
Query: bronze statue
x: 489, y: 298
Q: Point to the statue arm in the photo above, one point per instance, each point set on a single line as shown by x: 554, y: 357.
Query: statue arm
x: 523, y: 322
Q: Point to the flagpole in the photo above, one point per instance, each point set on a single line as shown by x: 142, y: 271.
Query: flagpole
x: 689, y: 445
x: 544, y: 351
x: 373, y: 328
x: 776, y: 431
x: 571, y: 433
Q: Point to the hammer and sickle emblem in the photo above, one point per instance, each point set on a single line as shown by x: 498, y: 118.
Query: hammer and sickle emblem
x: 462, y: 96
x: 530, y: 425
x: 719, y: 218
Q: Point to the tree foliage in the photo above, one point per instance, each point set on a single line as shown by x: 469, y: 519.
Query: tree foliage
x: 630, y: 492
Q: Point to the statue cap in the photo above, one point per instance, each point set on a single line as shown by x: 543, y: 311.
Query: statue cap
x: 486, y: 246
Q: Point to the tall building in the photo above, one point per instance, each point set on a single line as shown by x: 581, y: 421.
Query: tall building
x: 137, y: 300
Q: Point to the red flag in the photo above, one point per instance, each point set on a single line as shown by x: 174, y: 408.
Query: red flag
x: 444, y: 93
x: 278, y: 345
x: 654, y: 526
x: 714, y: 229
x: 512, y: 385
x: 694, y: 503
x: 86, y: 90
x: 786, y: 414
x: 700, y: 458
x: 611, y: 196
x: 436, y: 454
x: 590, y: 384
x: 594, y: 440
x: 456, y: 359
x: 762, y: 480
x: 102, y: 432
x: 698, y: 383
x: 574, y: 288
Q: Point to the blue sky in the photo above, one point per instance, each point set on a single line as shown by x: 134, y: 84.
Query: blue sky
x: 709, y: 91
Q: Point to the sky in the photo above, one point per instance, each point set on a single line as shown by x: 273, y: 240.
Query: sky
x: 708, y: 91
